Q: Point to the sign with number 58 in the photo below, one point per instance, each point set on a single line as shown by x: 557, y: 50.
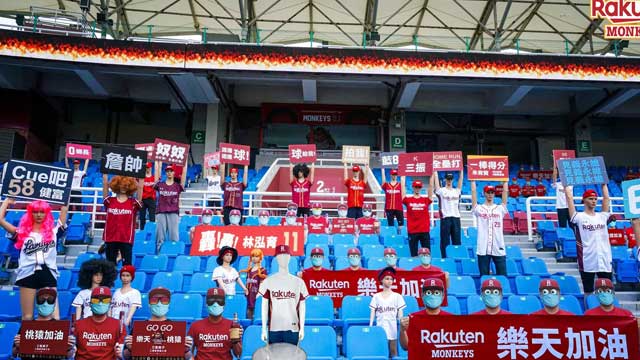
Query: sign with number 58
x: 35, y: 181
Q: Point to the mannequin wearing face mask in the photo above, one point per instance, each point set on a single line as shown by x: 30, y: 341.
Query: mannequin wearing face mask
x: 205, y: 219
x: 391, y: 258
x: 263, y: 218
x: 550, y: 298
x: 367, y: 224
x: 491, y: 294
x: 235, y: 217
x: 290, y: 219
x: 355, y: 259
x: 424, y: 254
x: 605, y: 292
x: 316, y: 223
x: 317, y: 259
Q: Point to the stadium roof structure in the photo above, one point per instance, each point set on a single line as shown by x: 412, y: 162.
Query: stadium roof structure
x: 540, y: 26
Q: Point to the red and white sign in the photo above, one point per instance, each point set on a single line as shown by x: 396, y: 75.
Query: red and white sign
x: 415, y: 164
x: 488, y: 168
x: 212, y: 159
x: 447, y: 161
x: 624, y: 16
x: 159, y: 339
x: 302, y: 153
x: 44, y: 338
x: 235, y: 154
x: 343, y: 226
x: 208, y: 240
x: 170, y: 151
x: 535, y: 174
x: 616, y: 237
x: 355, y: 154
x: 563, y: 154
x: 522, y: 337
x: 78, y: 151
x: 338, y: 284
x: 149, y: 148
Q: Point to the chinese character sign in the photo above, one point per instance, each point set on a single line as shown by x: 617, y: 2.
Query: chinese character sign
x: 149, y: 148
x: 44, y: 338
x: 583, y: 171
x: 33, y: 181
x: 631, y: 194
x: 563, y: 154
x: 78, y: 151
x: 235, y: 154
x: 343, y: 226
x: 123, y: 161
x: 208, y: 240
x: 415, y: 164
x: 158, y: 339
x: 389, y: 160
x: 447, y: 161
x: 212, y: 159
x: 170, y: 151
x: 355, y: 154
x: 488, y: 168
x: 528, y: 337
x: 302, y: 153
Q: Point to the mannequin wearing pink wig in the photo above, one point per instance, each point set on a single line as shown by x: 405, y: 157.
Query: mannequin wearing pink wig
x: 36, y: 239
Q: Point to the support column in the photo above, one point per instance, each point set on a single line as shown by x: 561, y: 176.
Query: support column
x: 215, y: 125
x: 582, y: 131
x: 397, y: 132
x: 199, y: 124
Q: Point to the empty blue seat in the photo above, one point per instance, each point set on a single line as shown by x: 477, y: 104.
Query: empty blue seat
x: 171, y: 281
x: 371, y: 239
x: 251, y: 341
x: 369, y: 251
x: 474, y: 304
x: 619, y: 253
x: 319, y: 343
x: 354, y: 311
x: 84, y: 257
x: 64, y: 279
x: 402, y: 250
x: 251, y: 221
x: 470, y: 267
x: 376, y: 263
x: 408, y: 263
x: 319, y: 310
x: 211, y: 264
x: 322, y: 239
x: 446, y: 264
x: 172, y: 248
x: 394, y: 240
x: 527, y: 285
x: 243, y: 262
x: 524, y: 304
x: 462, y: 286
x: 183, y: 305
x: 10, y: 309
x: 388, y: 230
x: 8, y: 330
x: 144, y: 247
x: 201, y: 282
x: 457, y: 252
x: 570, y: 303
x: 512, y: 268
x: 186, y: 264
x: 453, y: 305
x: 568, y: 285
x: 412, y: 305
x: 364, y: 342
x: 627, y: 270
x: 514, y: 252
x: 154, y: 263
x: 65, y: 298
x: 340, y: 250
x: 343, y: 263
x: 506, y: 287
x: 347, y: 239
x: 534, y: 266
x: 234, y: 304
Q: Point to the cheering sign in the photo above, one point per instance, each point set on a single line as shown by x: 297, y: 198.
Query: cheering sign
x: 488, y: 168
x: 583, y: 171
x: 447, y: 161
x: 123, y: 161
x: 212, y: 159
x: 208, y: 240
x: 77, y: 151
x: 159, y: 339
x: 563, y: 154
x: 302, y: 153
x: 149, y: 148
x: 34, y: 181
x: 631, y: 194
x: 389, y: 160
x: 235, y: 154
x: 44, y: 339
x: 522, y: 337
x: 415, y: 164
x: 343, y: 226
x: 355, y: 154
x: 170, y: 151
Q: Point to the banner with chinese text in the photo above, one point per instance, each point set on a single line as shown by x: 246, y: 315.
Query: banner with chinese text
x: 343, y: 226
x: 33, y: 181
x: 207, y: 240
x: 78, y: 151
x: 235, y: 154
x: 535, y: 174
x: 389, y: 160
x: 631, y: 195
x: 170, y: 151
x: 149, y: 148
x: 415, y: 164
x: 159, y: 339
x: 563, y: 154
x: 583, y: 171
x: 488, y: 168
x: 302, y: 153
x: 523, y: 337
x: 447, y: 161
x: 123, y: 161
x: 212, y: 159
x: 355, y: 154
x: 44, y: 338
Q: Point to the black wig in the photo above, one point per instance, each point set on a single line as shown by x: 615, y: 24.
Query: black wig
x: 301, y: 167
x: 94, y: 266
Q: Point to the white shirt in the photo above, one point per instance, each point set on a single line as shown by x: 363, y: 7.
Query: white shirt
x: 228, y: 277
x: 78, y: 175
x: 213, y: 184
x: 561, y: 197
x: 285, y: 292
x: 592, y: 239
x: 449, y: 201
x: 124, y: 302
x: 387, y: 312
x: 490, y: 234
x: 34, y: 254
x: 83, y: 299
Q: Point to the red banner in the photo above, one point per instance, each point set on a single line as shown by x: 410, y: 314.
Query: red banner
x: 170, y: 151
x: 563, y: 154
x: 488, y: 168
x: 234, y: 154
x: 616, y: 237
x: 302, y: 153
x: 338, y: 284
x: 343, y: 226
x: 44, y: 338
x: 207, y: 240
x: 535, y: 174
x: 447, y: 161
x: 211, y: 159
x: 522, y: 337
x: 415, y: 164
x: 159, y: 339
x: 149, y: 148
x: 78, y: 151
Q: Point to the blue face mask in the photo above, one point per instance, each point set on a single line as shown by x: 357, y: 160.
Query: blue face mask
x: 391, y: 260
x: 45, y: 309
x: 354, y: 261
x: 492, y: 300
x: 215, y: 309
x: 432, y: 301
x: 159, y: 309
x: 235, y: 219
x: 425, y: 259
x: 551, y: 300
x: 605, y: 298
x: 316, y: 261
x: 100, y: 308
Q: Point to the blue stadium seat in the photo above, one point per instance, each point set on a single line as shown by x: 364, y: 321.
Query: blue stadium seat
x: 8, y: 330
x: 447, y: 265
x: 394, y: 240
x: 201, y: 282
x: 567, y: 242
x: 369, y: 251
x: 10, y: 309
x: 340, y: 250
x: 388, y: 230
x: 319, y: 310
x: 139, y: 282
x: 619, y: 253
x: 243, y: 262
x: 64, y: 279
x: 84, y: 257
x: 376, y: 263
x: 412, y: 305
x: 251, y: 341
x: 457, y: 252
x: 568, y: 285
x: 364, y: 342
x: 325, y: 249
x: 627, y: 270
x: 470, y: 267
x: 211, y: 264
x: 472, y: 232
x: 453, y: 305
x: 402, y: 250
x: 512, y: 267
x: 251, y: 221
x: 408, y: 263
x: 322, y: 239
x: 347, y: 239
x: 366, y: 239
x: 354, y: 311
x: 474, y: 304
x: 527, y: 285
x: 172, y: 248
x: 144, y: 247
x: 592, y: 301
x: 257, y: 313
x: 506, y: 287
x: 186, y: 264
x: 171, y: 281
x: 570, y: 303
x: 65, y: 298
x: 514, y: 252
x: 234, y: 304
x: 182, y: 306
x: 154, y: 263
x: 534, y: 266
x: 319, y: 343
x: 343, y: 263
x: 461, y: 286
x: 524, y: 304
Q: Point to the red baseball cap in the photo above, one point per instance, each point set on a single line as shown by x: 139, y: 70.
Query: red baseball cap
x: 353, y: 251
x: 603, y: 283
x: 160, y: 291
x: 207, y: 212
x: 424, y: 251
x: 548, y: 284
x: 514, y: 179
x: 215, y: 167
x: 76, y: 161
x: 316, y: 205
x: 47, y: 291
x: 169, y: 168
x: 233, y: 170
x: 317, y: 251
x: 355, y: 168
x: 101, y: 291
x: 416, y: 184
x: 215, y: 292
x: 394, y: 172
x: 342, y: 206
x: 366, y: 206
x: 263, y: 213
x: 432, y: 283
x: 291, y: 213
x: 390, y: 251
x: 589, y: 193
x: 235, y: 212
x: 149, y: 165
x: 282, y: 249
x: 388, y: 271
x: 489, y: 188
x: 130, y: 269
x: 491, y: 284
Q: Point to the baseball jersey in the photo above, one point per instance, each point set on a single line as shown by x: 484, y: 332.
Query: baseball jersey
x: 424, y: 313
x: 78, y: 175
x: 120, y: 225
x: 367, y: 225
x: 561, y: 197
x: 97, y: 340
x: 317, y: 224
x: 592, y: 240
x: 541, y: 190
x: 169, y: 200
x: 232, y: 196
x: 355, y: 192
x: 392, y: 196
x: 284, y: 292
x: 616, y: 311
x: 449, y: 200
x: 386, y: 311
x: 83, y: 300
x: 213, y: 184
x: 431, y: 268
x: 148, y: 192
x: 228, y: 277
x: 124, y: 302
x: 490, y: 233
x: 35, y: 253
x: 514, y: 190
x: 417, y: 214
x: 484, y: 312
x: 212, y: 340
x: 528, y: 190
x: 300, y: 192
x: 544, y: 312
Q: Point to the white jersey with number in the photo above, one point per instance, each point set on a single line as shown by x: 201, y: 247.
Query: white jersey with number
x: 124, y: 302
x: 284, y: 292
x: 490, y: 232
x: 213, y: 184
x: 228, y: 278
x: 83, y: 300
x: 561, y: 197
x: 449, y: 202
x: 592, y: 240
x: 386, y: 310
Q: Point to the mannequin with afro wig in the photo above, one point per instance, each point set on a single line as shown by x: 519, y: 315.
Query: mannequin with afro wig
x: 301, y: 181
x: 93, y: 273
x: 123, y: 184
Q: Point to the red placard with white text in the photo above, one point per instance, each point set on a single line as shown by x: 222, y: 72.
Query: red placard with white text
x: 235, y: 154
x: 563, y: 154
x: 170, y: 151
x: 44, y: 338
x: 447, y: 161
x: 78, y: 151
x: 302, y: 153
x: 343, y: 226
x: 208, y: 240
x: 149, y: 148
x: 415, y: 164
x: 159, y: 339
x: 488, y: 168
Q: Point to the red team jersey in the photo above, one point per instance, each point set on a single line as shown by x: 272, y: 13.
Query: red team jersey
x: 120, y: 224
x: 484, y: 312
x: 392, y: 196
x: 615, y: 312
x: 528, y: 190
x: 560, y: 312
x: 514, y: 190
x: 423, y: 313
x: 300, y: 192
x: 232, y: 195
x: 417, y: 214
x: 148, y: 192
x: 431, y: 268
x: 355, y: 192
x: 541, y: 190
x: 97, y: 341
x: 367, y: 225
x: 212, y: 340
x: 317, y: 224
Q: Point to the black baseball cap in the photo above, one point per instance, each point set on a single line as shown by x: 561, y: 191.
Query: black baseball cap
x: 449, y: 176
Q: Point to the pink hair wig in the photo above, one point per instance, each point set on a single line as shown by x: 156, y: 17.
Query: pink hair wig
x: 26, y: 223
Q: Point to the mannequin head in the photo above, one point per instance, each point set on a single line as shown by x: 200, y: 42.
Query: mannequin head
x: 283, y: 255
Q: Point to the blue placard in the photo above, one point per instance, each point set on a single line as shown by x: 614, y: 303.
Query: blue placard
x: 35, y: 181
x: 631, y: 194
x: 583, y: 171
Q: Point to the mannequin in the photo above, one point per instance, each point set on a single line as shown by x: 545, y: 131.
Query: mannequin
x: 287, y: 292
